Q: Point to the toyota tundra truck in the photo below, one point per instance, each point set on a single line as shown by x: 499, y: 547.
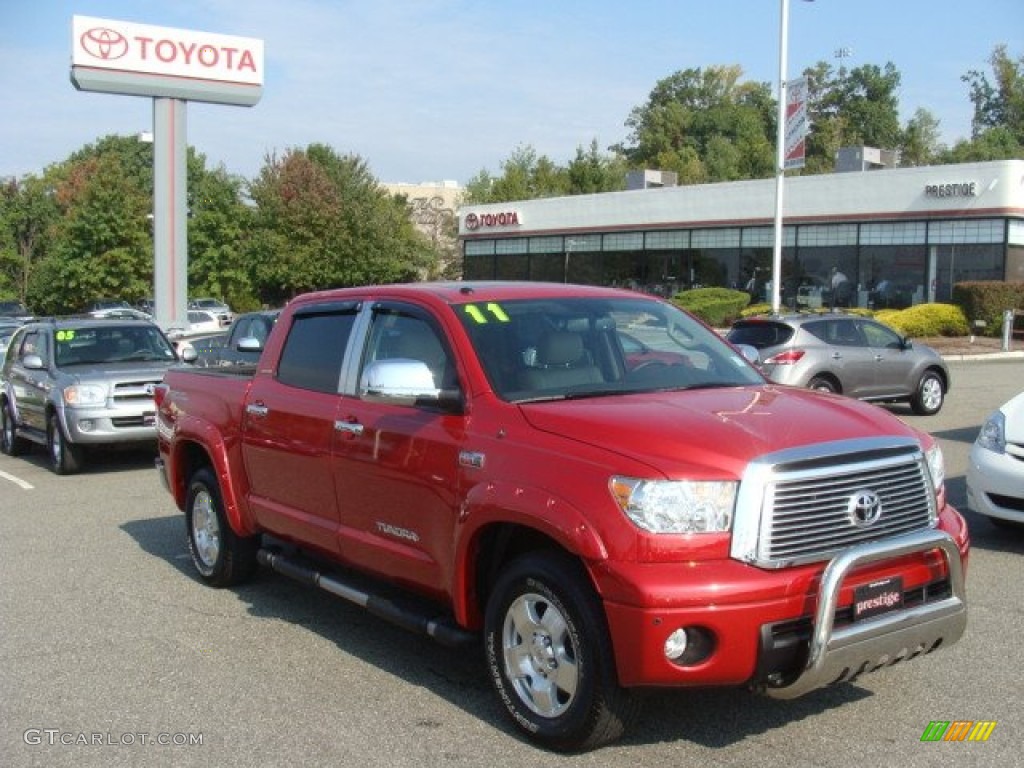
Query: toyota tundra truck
x: 588, y: 483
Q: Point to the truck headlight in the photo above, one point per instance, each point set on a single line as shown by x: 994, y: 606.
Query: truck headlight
x: 85, y: 394
x: 936, y: 466
x: 676, y: 506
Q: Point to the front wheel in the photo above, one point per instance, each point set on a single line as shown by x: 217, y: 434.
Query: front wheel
x: 66, y: 458
x: 929, y: 396
x: 221, y: 557
x: 10, y: 443
x: 550, y: 656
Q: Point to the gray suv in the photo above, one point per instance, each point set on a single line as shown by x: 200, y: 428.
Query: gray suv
x: 73, y: 383
x: 847, y: 354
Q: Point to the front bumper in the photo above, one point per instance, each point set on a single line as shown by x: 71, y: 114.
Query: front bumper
x: 995, y: 484
x: 740, y: 607
x: 108, y: 426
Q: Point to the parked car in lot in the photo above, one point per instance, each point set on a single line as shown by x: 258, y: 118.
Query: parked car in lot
x: 6, y: 332
x: 218, y: 308
x: 243, y: 342
x: 202, y: 321
x: 846, y: 354
x: 120, y: 313
x: 14, y: 311
x: 75, y: 383
x: 995, y: 474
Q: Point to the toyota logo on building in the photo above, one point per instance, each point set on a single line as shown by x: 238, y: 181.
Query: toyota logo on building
x: 864, y: 508
x: 104, y: 43
x: 472, y: 221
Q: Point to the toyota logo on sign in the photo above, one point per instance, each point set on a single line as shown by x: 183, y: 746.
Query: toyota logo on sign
x: 472, y: 221
x: 104, y: 43
x: 864, y: 508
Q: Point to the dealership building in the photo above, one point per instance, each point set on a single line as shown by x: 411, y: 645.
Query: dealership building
x: 871, y: 238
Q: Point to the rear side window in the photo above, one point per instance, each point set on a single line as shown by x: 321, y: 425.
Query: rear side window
x: 313, y: 352
x: 760, y: 335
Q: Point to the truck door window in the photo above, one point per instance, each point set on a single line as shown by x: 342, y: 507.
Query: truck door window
x: 396, y: 335
x: 314, y: 349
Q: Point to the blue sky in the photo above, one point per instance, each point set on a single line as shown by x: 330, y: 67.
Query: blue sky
x: 441, y: 89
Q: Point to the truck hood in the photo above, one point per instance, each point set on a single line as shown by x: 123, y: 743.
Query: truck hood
x: 711, y: 430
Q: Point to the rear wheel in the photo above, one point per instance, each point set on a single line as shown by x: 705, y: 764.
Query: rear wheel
x: 550, y: 656
x: 222, y: 557
x: 822, y: 384
x: 10, y: 443
x: 929, y: 396
x: 65, y: 457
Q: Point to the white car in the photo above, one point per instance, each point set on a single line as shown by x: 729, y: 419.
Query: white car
x: 202, y: 321
x: 995, y: 474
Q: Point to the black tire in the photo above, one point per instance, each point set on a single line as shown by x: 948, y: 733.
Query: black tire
x: 10, y: 443
x: 929, y: 395
x: 65, y: 457
x: 823, y: 384
x: 550, y: 656
x: 221, y: 557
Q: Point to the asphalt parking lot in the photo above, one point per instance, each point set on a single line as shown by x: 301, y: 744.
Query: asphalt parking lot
x: 114, y: 654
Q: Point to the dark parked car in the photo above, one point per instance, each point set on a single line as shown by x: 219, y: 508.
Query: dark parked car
x: 14, y: 311
x: 847, y: 354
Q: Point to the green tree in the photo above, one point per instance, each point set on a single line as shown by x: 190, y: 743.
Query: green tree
x: 921, y: 145
x: 999, y: 104
x: 590, y: 172
x: 218, y: 225
x: 525, y: 176
x: 27, y: 214
x: 102, y: 245
x: 322, y: 220
x: 705, y: 125
x: 851, y: 108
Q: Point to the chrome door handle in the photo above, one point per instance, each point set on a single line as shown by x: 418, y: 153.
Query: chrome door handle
x: 349, y: 427
x: 257, y: 409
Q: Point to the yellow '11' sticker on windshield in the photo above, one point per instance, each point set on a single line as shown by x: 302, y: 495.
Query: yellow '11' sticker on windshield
x: 65, y: 335
x: 479, y: 316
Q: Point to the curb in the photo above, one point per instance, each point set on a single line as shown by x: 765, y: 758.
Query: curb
x: 993, y: 356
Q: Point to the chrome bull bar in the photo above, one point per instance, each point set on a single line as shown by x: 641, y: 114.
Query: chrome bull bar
x: 836, y: 655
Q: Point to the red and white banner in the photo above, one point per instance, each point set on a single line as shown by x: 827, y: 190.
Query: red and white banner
x: 796, y: 122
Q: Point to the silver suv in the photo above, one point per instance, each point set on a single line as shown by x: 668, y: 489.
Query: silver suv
x: 847, y: 354
x: 73, y: 383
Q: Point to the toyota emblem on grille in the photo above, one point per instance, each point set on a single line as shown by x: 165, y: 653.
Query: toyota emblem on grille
x: 864, y: 508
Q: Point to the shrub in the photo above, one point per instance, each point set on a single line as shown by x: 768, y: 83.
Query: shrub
x: 926, y: 320
x: 987, y: 300
x: 718, y: 307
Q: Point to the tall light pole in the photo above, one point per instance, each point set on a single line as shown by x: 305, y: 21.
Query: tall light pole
x: 780, y: 158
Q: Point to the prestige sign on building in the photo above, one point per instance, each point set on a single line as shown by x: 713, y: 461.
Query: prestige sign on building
x: 113, y: 56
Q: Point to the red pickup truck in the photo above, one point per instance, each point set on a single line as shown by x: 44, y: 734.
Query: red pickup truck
x: 589, y: 480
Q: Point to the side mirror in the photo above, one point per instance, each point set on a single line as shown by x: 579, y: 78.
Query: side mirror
x: 249, y: 344
x: 405, y: 382
x: 33, y: 362
x: 749, y: 352
x: 189, y: 354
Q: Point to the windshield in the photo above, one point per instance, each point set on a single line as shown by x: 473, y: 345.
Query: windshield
x: 111, y: 344
x: 541, y: 349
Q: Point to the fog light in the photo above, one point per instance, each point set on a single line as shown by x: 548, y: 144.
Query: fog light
x: 689, y: 646
x: 86, y: 425
x: 675, y: 645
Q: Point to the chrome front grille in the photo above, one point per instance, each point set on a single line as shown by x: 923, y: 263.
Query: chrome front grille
x: 134, y: 391
x: 795, y: 507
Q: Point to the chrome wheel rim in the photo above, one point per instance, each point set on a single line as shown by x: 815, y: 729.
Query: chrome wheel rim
x: 205, y: 529
x: 540, y: 658
x: 931, y: 394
